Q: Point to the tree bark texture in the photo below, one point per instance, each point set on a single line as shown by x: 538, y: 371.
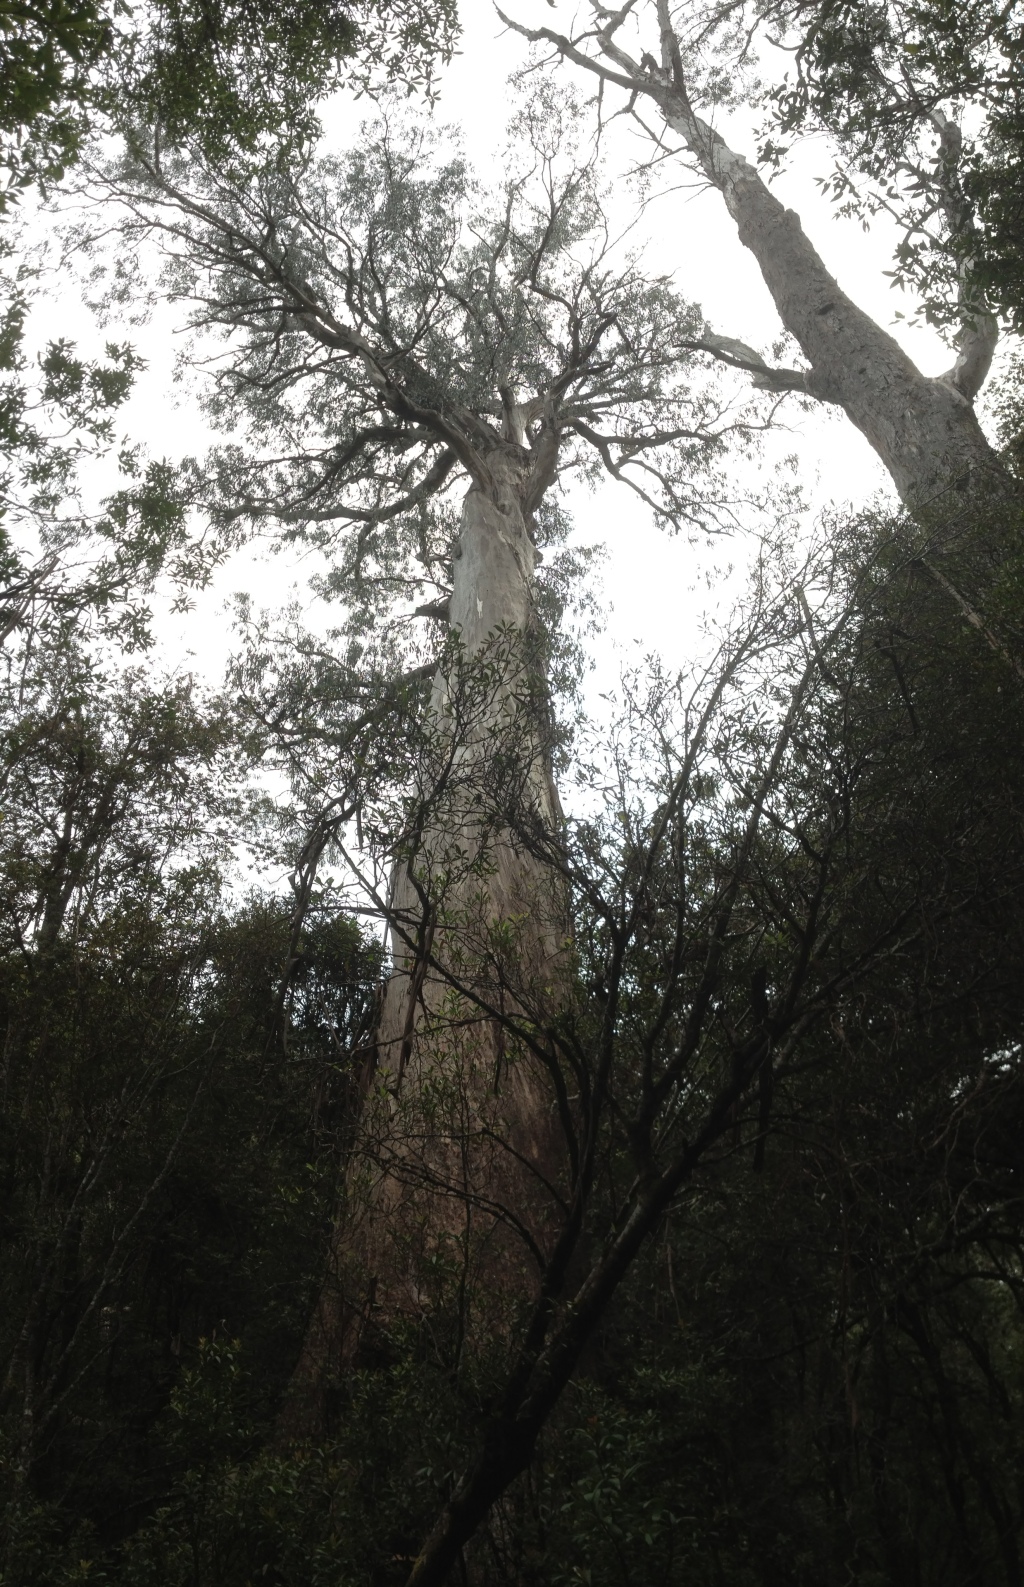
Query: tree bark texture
x: 452, y: 1197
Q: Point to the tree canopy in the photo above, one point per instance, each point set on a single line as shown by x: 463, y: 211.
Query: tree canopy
x: 223, y: 74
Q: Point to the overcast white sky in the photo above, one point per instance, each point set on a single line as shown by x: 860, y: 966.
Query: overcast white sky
x: 654, y: 587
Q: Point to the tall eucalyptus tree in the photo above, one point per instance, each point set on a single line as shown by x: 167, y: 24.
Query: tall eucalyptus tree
x: 399, y: 341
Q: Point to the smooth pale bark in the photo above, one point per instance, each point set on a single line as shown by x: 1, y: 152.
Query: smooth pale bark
x: 924, y: 430
x: 492, y: 594
x: 454, y: 1189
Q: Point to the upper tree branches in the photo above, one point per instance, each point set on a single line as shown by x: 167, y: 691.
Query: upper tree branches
x: 391, y: 330
x: 922, y: 429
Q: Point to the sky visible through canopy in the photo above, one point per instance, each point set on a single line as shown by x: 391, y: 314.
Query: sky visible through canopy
x: 654, y: 588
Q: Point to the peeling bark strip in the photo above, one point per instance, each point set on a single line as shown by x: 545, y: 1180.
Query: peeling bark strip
x: 924, y: 430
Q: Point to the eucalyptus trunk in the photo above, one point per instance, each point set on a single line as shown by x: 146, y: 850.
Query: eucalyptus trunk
x: 924, y: 430
x: 452, y: 1196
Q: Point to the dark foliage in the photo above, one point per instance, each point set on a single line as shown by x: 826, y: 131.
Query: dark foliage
x: 175, y: 1084
x: 811, y: 1374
